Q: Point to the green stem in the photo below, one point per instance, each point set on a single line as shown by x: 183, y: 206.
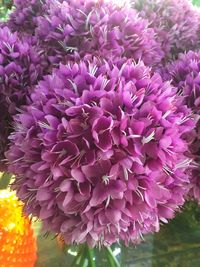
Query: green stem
x: 112, y: 258
x: 78, y: 257
x: 83, y: 259
x: 90, y: 253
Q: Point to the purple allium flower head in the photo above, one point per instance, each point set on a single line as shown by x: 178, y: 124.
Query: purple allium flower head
x: 20, y: 68
x: 96, y: 28
x: 99, y: 155
x: 176, y: 23
x: 24, y: 17
x: 185, y: 75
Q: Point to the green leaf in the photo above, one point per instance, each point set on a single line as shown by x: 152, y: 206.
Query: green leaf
x: 5, y: 9
x: 5, y: 180
x: 196, y: 2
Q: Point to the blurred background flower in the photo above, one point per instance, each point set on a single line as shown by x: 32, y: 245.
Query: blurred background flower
x: 176, y: 24
x: 17, y: 240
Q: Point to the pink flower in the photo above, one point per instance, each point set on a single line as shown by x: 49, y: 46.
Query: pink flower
x: 21, y: 67
x: 176, y: 23
x: 99, y: 154
x: 184, y: 74
x: 68, y: 29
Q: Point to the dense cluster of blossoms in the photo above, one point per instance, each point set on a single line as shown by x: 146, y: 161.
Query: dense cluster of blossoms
x: 103, y: 148
x: 96, y: 28
x: 185, y: 75
x: 92, y: 28
x: 24, y: 17
x: 99, y: 154
x: 20, y: 69
x: 50, y: 32
x: 176, y: 23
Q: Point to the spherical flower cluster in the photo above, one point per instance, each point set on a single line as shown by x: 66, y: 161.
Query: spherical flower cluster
x: 96, y: 28
x: 185, y: 75
x: 20, y: 68
x: 24, y: 17
x: 176, y: 23
x: 99, y: 155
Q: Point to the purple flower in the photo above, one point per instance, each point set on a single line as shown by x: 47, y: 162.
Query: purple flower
x: 99, y: 154
x: 93, y: 28
x: 24, y: 17
x: 176, y: 23
x: 185, y: 75
x: 194, y: 149
x: 21, y: 67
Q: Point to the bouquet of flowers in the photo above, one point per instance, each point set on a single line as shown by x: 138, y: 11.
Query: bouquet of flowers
x: 99, y: 105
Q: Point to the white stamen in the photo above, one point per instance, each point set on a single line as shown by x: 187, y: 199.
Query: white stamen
x: 67, y: 48
x: 169, y: 151
x: 108, y: 201
x: 166, y: 114
x: 88, y: 19
x: 17, y: 160
x: 124, y: 133
x: 125, y: 174
x: 60, y: 28
x: 82, y: 12
x: 93, y: 103
x: 133, y: 98
x: 93, y: 69
x: 141, y: 216
x: 141, y: 235
x: 104, y: 83
x: 134, y: 136
x: 73, y: 85
x: 118, y: 228
x: 183, y: 164
x: 85, y: 114
x: 164, y: 220
x: 184, y: 119
x: 134, y: 225
x: 147, y: 139
x: 10, y: 48
x: 106, y: 179
x: 45, y: 125
x: 139, y: 194
x: 167, y: 170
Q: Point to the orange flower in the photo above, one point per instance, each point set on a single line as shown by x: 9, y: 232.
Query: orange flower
x: 17, y: 241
